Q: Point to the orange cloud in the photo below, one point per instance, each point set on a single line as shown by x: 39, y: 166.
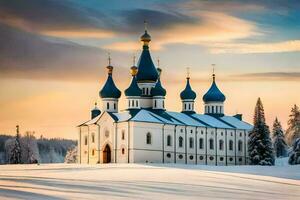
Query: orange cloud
x: 212, y: 27
x: 96, y: 33
x: 243, y: 48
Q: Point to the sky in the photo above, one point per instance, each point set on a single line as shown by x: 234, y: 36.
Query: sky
x: 53, y: 55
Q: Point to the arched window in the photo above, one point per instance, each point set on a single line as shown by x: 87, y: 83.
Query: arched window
x: 212, y: 109
x: 146, y: 91
x: 93, y: 137
x: 180, y: 141
x: 201, y: 145
x: 189, y: 106
x: 155, y: 104
x: 137, y: 103
x: 169, y: 140
x: 123, y: 151
x: 132, y: 103
x: 211, y: 144
x: 163, y: 104
x: 148, y: 138
x: 230, y: 145
x: 107, y: 106
x: 208, y: 109
x: 93, y: 152
x: 115, y: 106
x: 184, y: 106
x: 191, y: 142
x: 221, y: 145
x: 128, y: 103
x: 240, y: 145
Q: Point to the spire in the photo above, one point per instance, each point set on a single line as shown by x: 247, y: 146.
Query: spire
x: 214, y: 94
x: 95, y: 112
x: 213, y: 74
x: 109, y: 89
x: 145, y: 38
x: 146, y: 70
x: 188, y: 93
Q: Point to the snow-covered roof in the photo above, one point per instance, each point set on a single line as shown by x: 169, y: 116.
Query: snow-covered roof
x: 185, y: 119
x: 175, y: 118
x: 211, y: 121
x: 236, y: 122
x: 122, y: 116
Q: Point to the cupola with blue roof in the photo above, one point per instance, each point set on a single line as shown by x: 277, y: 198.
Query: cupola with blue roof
x: 214, y: 99
x: 188, y: 96
x: 110, y: 94
x: 95, y: 112
x: 133, y: 92
x: 147, y: 74
x: 158, y: 93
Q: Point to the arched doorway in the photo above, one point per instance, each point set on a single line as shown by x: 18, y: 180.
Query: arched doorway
x: 107, y: 154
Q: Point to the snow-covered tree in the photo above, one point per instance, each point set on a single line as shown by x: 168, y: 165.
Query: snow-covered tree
x: 293, y: 131
x: 279, y: 144
x: 15, y: 154
x: 71, y: 156
x: 294, y: 158
x: 30, y: 151
x: 260, y: 145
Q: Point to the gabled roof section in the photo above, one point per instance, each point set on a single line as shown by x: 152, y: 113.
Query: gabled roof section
x: 211, y: 121
x: 236, y: 122
x: 185, y: 119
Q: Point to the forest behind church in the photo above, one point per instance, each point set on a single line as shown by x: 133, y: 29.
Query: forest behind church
x: 41, y: 150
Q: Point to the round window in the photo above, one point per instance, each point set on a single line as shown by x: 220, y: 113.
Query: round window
x: 240, y: 159
x: 180, y: 156
x: 168, y: 155
x: 221, y: 158
x: 211, y: 158
x: 230, y: 159
x: 201, y: 157
x: 191, y: 157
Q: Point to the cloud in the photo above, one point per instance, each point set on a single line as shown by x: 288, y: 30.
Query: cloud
x: 267, y: 76
x: 55, y: 18
x: 245, y: 48
x: 206, y: 27
x: 30, y: 56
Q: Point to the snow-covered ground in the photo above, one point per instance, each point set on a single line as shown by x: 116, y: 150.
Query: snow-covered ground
x: 137, y: 181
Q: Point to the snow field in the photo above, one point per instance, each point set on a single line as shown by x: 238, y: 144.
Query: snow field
x: 157, y: 181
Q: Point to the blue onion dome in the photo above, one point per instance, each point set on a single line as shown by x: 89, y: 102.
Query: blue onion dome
x: 146, y: 69
x: 109, y: 89
x: 188, y: 93
x: 214, y: 94
x: 158, y: 90
x: 133, y: 90
x: 95, y: 112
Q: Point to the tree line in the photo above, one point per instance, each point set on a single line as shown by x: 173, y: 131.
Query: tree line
x: 27, y: 149
x: 264, y: 147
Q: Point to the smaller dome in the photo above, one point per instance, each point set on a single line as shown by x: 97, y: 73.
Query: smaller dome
x: 146, y: 37
x: 95, y: 112
x: 214, y: 94
x: 188, y: 93
x: 133, y: 90
x: 109, y: 89
x: 158, y: 90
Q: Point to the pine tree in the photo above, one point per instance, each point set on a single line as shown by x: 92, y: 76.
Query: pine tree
x: 293, y: 131
x: 15, y: 155
x: 260, y: 145
x: 294, y: 158
x: 279, y: 144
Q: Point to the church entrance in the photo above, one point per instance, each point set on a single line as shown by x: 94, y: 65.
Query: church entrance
x: 107, y: 154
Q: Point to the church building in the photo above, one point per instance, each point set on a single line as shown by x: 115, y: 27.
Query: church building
x: 148, y: 133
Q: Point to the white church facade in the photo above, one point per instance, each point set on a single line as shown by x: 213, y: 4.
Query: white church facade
x: 147, y: 133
